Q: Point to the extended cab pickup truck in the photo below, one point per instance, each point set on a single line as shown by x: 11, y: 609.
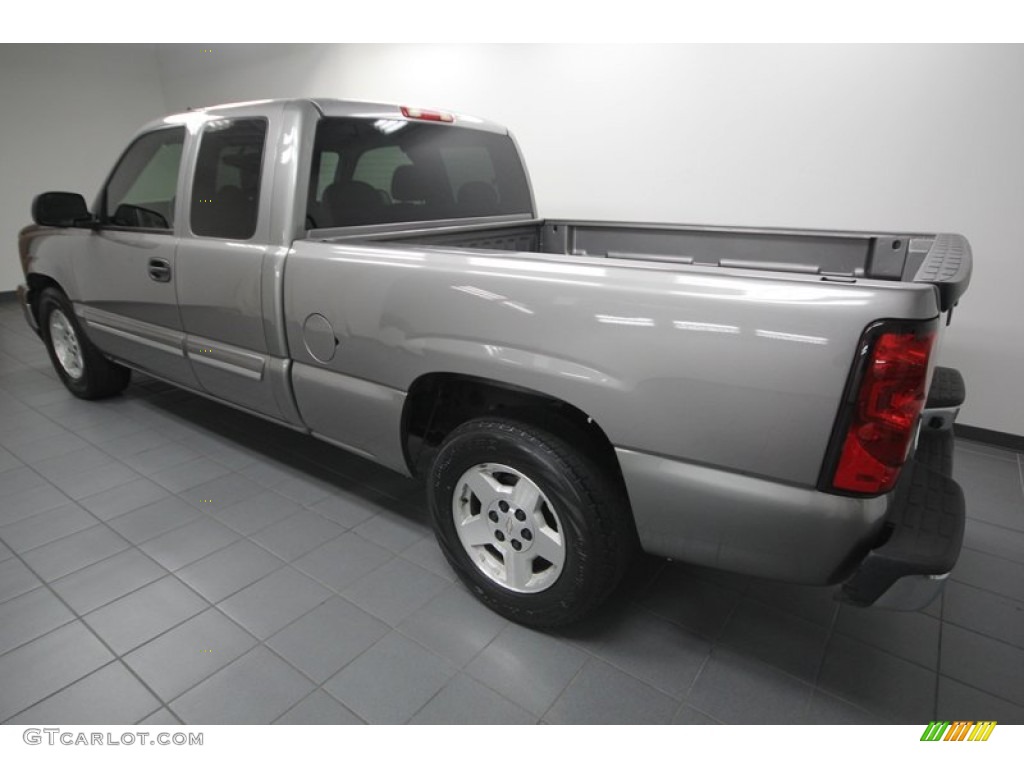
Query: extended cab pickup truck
x: 763, y: 401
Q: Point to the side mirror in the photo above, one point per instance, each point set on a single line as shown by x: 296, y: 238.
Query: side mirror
x: 60, y: 209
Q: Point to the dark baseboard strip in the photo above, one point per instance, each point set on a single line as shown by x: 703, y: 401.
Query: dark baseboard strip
x: 990, y: 436
x: 8, y: 297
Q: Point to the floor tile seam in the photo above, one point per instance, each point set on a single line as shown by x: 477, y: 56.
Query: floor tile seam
x: 715, y: 644
x: 1000, y: 525
x: 464, y: 670
x: 792, y: 613
x: 938, y: 661
x: 99, y: 521
x: 988, y: 590
x: 88, y: 627
x: 877, y: 649
x: 126, y: 594
x: 1008, y: 645
x: 612, y: 663
x: 959, y: 625
x: 151, y: 538
x: 820, y: 666
x: 249, y: 537
x: 974, y: 687
x: 240, y: 589
x: 340, y: 592
x: 358, y: 656
x: 536, y: 718
x: 75, y: 533
x: 54, y: 628
x: 167, y: 468
x: 64, y: 688
x: 257, y: 643
x: 969, y: 446
x: 193, y: 562
x: 320, y: 688
x: 748, y: 656
x: 993, y: 554
x: 653, y: 614
x: 872, y: 644
x: 37, y: 473
x: 845, y: 700
x: 98, y: 445
x: 224, y: 599
x: 568, y: 686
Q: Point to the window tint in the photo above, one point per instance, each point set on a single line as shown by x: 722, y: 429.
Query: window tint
x: 466, y: 165
x: 397, y: 170
x: 328, y: 168
x: 226, y: 189
x: 142, y: 188
x: 376, y: 167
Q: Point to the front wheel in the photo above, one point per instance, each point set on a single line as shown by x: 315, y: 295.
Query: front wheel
x: 538, y: 530
x: 83, y: 368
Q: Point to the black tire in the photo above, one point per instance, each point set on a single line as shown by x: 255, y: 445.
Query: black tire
x: 581, y: 500
x: 95, y: 376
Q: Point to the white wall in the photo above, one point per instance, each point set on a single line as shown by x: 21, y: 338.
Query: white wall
x: 925, y: 138
x: 67, y: 112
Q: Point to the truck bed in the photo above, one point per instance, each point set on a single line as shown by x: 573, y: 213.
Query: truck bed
x: 939, y: 259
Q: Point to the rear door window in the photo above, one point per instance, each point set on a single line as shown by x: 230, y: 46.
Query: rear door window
x: 226, y: 187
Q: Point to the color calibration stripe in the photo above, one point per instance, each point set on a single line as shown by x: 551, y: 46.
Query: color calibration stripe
x: 959, y: 730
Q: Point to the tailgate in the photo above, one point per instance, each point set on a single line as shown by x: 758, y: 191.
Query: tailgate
x: 945, y: 262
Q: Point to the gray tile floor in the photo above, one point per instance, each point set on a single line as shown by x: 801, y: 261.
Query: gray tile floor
x: 166, y: 559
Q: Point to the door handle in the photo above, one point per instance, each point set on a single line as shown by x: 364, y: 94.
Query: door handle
x: 160, y: 270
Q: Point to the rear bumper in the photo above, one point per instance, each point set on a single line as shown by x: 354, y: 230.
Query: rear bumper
x: 893, y: 551
x: 22, y: 293
x: 750, y: 525
x: 922, y: 533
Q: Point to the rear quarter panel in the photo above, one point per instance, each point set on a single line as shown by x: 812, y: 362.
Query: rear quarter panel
x: 722, y: 368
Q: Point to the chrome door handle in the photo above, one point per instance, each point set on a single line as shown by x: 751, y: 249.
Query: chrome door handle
x: 160, y: 270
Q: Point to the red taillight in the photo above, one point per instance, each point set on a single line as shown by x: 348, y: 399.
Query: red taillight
x: 889, y: 400
x: 428, y: 114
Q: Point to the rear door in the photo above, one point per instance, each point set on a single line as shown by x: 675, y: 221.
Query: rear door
x: 127, y: 269
x: 221, y: 258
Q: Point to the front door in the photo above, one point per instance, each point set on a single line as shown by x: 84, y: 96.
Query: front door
x: 126, y: 272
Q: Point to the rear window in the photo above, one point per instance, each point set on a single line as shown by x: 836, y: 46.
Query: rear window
x: 379, y: 171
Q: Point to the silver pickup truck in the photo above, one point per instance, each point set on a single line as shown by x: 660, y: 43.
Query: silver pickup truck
x: 763, y: 401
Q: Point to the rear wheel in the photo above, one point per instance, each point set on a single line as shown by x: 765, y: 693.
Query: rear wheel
x: 539, y: 530
x: 83, y: 368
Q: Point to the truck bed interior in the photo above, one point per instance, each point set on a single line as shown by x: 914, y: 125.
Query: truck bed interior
x: 839, y: 254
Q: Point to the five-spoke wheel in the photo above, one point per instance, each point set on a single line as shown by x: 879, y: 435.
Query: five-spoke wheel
x: 508, y: 527
x: 65, y: 344
x: 80, y: 365
x: 539, y: 529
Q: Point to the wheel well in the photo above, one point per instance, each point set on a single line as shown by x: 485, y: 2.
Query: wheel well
x: 36, y: 285
x: 437, y: 403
